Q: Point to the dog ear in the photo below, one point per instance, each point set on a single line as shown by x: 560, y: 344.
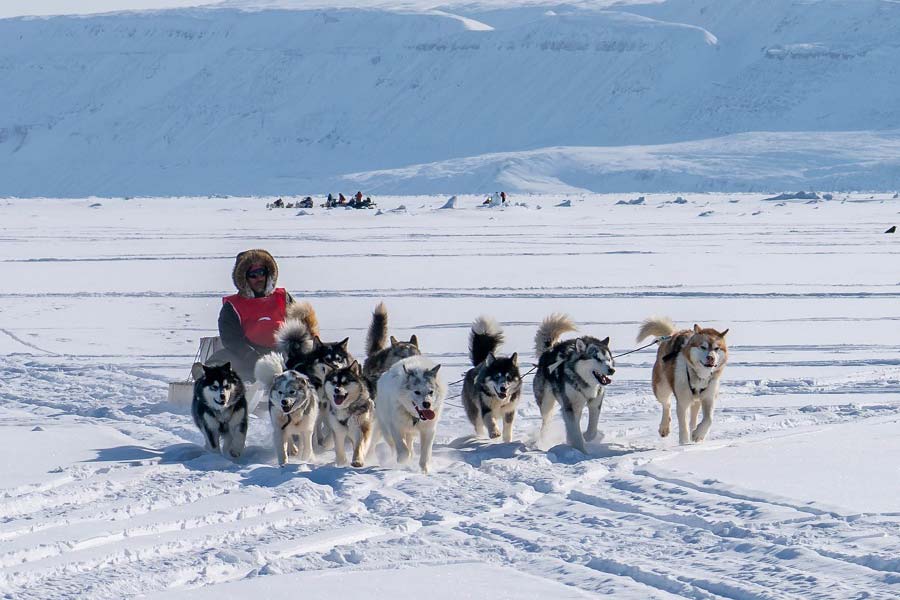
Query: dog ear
x: 206, y: 370
x: 433, y: 372
x: 579, y: 345
x: 489, y: 359
x: 355, y: 368
x: 343, y: 344
x: 414, y: 340
x: 394, y: 341
x: 722, y: 333
x: 317, y: 341
x: 696, y: 328
x: 226, y: 366
x: 514, y: 359
x: 605, y: 341
x: 405, y: 370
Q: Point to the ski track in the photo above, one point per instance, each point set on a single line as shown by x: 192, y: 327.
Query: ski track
x: 161, y: 513
x: 142, y: 518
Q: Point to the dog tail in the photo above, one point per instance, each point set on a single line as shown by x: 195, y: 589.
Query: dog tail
x: 268, y: 367
x: 485, y: 337
x: 657, y: 327
x: 552, y: 327
x: 376, y: 339
x: 305, y: 313
x: 294, y: 338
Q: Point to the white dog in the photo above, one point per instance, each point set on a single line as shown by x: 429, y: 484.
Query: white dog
x: 409, y: 400
x: 293, y: 407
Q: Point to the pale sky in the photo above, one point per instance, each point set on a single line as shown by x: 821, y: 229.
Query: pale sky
x: 18, y: 8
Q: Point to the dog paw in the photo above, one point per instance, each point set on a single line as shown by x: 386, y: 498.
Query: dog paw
x: 356, y: 464
x: 495, y: 435
x: 235, y: 454
x: 425, y: 469
x: 697, y: 437
x: 590, y: 435
x: 663, y: 431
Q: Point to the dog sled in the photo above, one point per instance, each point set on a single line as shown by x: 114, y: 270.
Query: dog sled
x: 181, y: 393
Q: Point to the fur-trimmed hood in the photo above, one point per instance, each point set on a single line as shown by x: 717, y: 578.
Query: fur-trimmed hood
x: 242, y: 264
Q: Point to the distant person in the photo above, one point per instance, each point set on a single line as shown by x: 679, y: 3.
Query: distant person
x: 249, y: 319
x: 342, y: 201
x: 358, y: 197
x: 502, y: 197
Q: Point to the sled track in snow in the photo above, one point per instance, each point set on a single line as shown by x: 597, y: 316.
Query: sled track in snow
x: 140, y: 518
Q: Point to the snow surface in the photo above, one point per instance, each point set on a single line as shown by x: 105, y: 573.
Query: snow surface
x: 407, y: 96
x: 107, y: 492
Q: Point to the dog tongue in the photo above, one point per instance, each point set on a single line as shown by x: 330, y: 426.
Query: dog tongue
x: 427, y: 414
x: 604, y: 380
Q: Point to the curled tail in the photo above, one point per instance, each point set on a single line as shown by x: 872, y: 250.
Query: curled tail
x: 657, y: 327
x: 267, y: 368
x: 376, y: 339
x: 294, y: 339
x: 551, y: 328
x: 303, y: 312
x: 485, y: 337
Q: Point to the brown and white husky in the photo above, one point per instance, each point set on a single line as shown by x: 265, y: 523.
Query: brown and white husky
x: 689, y: 364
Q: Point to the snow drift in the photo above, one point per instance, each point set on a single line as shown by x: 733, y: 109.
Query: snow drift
x: 273, y: 100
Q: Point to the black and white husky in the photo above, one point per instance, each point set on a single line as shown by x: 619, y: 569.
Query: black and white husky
x: 293, y: 407
x: 351, y: 413
x: 308, y: 354
x: 491, y: 389
x: 379, y: 356
x: 219, y: 409
x: 574, y: 374
x: 410, y: 397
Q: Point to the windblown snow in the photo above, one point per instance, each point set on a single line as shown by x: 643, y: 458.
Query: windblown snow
x: 108, y: 493
x: 295, y: 97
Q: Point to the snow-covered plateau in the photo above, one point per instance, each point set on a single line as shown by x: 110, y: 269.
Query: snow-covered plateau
x: 252, y: 97
x: 106, y: 491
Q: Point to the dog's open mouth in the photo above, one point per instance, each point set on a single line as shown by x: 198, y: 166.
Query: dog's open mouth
x: 425, y: 414
x: 501, y: 395
x: 339, y: 398
x: 602, y: 379
x: 710, y: 364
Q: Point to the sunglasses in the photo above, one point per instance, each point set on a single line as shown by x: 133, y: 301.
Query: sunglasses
x: 255, y: 273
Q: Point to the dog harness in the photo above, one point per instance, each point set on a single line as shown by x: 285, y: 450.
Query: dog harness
x: 291, y: 412
x: 694, y: 390
x: 260, y: 317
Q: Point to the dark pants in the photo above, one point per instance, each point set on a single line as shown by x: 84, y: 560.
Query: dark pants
x: 242, y: 366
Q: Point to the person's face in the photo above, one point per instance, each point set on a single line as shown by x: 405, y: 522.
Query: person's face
x: 257, y: 280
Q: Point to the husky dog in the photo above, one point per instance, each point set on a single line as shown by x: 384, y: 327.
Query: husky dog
x: 491, y: 388
x: 688, y: 363
x: 410, y: 398
x: 293, y: 407
x: 307, y: 353
x: 351, y: 412
x: 379, y: 356
x: 573, y: 373
x: 219, y: 409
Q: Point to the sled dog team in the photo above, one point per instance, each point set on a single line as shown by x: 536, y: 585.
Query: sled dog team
x: 320, y: 397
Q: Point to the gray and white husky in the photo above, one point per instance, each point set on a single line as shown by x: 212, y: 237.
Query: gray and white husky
x: 219, y: 408
x: 492, y: 387
x: 379, y: 356
x: 351, y: 413
x: 410, y: 397
x: 574, y: 374
x: 305, y: 352
x: 293, y: 407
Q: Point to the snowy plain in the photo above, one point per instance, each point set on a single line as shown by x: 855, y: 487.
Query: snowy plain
x: 107, y: 493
